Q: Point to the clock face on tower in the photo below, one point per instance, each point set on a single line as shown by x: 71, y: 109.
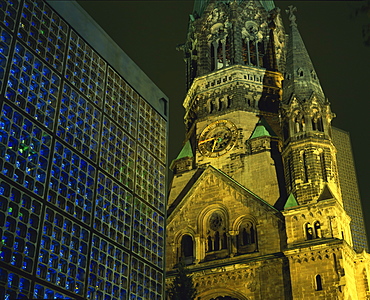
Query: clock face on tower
x: 217, y: 138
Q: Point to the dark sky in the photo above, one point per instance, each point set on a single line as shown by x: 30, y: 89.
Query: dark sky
x: 148, y: 31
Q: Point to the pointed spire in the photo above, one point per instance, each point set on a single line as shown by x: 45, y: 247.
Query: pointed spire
x: 300, y: 79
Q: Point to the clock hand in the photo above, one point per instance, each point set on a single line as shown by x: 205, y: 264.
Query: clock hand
x: 207, y: 140
x: 214, y: 145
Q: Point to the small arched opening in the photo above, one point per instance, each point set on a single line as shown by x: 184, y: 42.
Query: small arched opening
x: 247, y: 237
x: 309, y: 232
x: 187, y: 249
x: 318, y: 283
x: 317, y: 229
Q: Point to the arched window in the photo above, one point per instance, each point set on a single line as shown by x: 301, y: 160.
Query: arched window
x: 245, y: 54
x: 224, y: 241
x: 217, y: 241
x: 299, y: 124
x: 187, y: 246
x: 228, y: 102
x: 296, y: 124
x: 221, y: 104
x: 313, y: 232
x: 213, y: 56
x: 228, y: 55
x: 217, y: 238
x: 209, y: 244
x: 317, y: 123
x: 211, y: 106
x: 320, y: 126
x: 253, y: 237
x: 253, y: 53
x: 317, y: 229
x: 220, y: 55
x: 309, y: 232
x: 247, y: 238
x: 314, y: 127
x: 318, y: 283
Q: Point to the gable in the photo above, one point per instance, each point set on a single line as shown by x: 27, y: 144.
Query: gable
x: 213, y: 187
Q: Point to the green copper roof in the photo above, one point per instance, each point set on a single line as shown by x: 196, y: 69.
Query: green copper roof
x: 200, y: 5
x: 262, y: 129
x: 186, y: 151
x: 291, y: 201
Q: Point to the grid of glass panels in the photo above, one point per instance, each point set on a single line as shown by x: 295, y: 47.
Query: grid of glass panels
x: 79, y: 123
x: 117, y: 155
x: 148, y: 233
x: 44, y: 32
x: 77, y: 146
x: 113, y: 211
x: 72, y: 183
x: 42, y: 292
x: 24, y: 150
x: 5, y: 42
x: 33, y: 86
x: 8, y: 13
x: 20, y: 216
x: 145, y: 281
x: 150, y: 179
x: 63, y: 253
x: 121, y: 102
x: 152, y: 131
x: 85, y: 69
x: 108, y: 278
x: 14, y: 286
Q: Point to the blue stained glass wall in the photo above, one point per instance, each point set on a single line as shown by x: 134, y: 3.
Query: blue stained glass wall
x: 82, y: 168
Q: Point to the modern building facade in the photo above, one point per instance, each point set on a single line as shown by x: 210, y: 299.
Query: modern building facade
x: 349, y: 187
x: 83, y: 144
x: 264, y: 201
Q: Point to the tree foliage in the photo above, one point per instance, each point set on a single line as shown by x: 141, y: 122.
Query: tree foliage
x: 182, y: 287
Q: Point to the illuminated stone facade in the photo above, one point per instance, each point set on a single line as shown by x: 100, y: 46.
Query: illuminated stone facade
x: 256, y: 209
x: 83, y: 143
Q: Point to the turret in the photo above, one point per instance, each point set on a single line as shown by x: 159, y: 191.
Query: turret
x: 309, y: 154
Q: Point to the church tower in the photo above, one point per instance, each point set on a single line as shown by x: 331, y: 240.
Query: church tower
x: 255, y: 209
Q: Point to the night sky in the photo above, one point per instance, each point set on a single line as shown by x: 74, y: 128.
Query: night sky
x: 148, y: 31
